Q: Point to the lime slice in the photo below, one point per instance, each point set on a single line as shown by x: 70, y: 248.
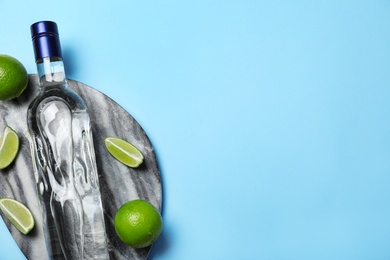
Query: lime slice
x: 19, y: 215
x: 124, y: 152
x: 9, y: 146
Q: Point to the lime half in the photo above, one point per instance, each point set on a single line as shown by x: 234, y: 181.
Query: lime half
x: 19, y: 215
x: 9, y: 146
x: 124, y: 152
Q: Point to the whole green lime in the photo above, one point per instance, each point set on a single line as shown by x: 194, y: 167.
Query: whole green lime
x: 138, y: 223
x: 13, y: 77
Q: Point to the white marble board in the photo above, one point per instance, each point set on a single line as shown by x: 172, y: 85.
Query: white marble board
x: 118, y: 183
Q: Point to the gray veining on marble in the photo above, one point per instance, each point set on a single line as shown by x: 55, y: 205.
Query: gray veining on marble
x: 118, y: 183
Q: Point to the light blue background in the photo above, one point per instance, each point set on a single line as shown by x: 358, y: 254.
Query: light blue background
x: 270, y: 118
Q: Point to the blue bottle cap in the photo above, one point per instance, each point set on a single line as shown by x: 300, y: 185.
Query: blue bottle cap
x: 46, y: 40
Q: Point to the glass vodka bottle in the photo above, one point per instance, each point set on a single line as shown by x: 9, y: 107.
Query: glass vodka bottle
x: 64, y: 157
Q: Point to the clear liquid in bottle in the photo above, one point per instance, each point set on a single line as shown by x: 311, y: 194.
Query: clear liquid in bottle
x: 64, y: 158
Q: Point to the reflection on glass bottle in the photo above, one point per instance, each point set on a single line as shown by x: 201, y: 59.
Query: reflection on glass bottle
x: 64, y: 157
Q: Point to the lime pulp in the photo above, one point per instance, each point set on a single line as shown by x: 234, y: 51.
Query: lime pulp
x: 124, y: 152
x: 18, y: 214
x: 9, y: 146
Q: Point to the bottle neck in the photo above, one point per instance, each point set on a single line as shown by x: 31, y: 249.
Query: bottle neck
x: 51, y: 71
